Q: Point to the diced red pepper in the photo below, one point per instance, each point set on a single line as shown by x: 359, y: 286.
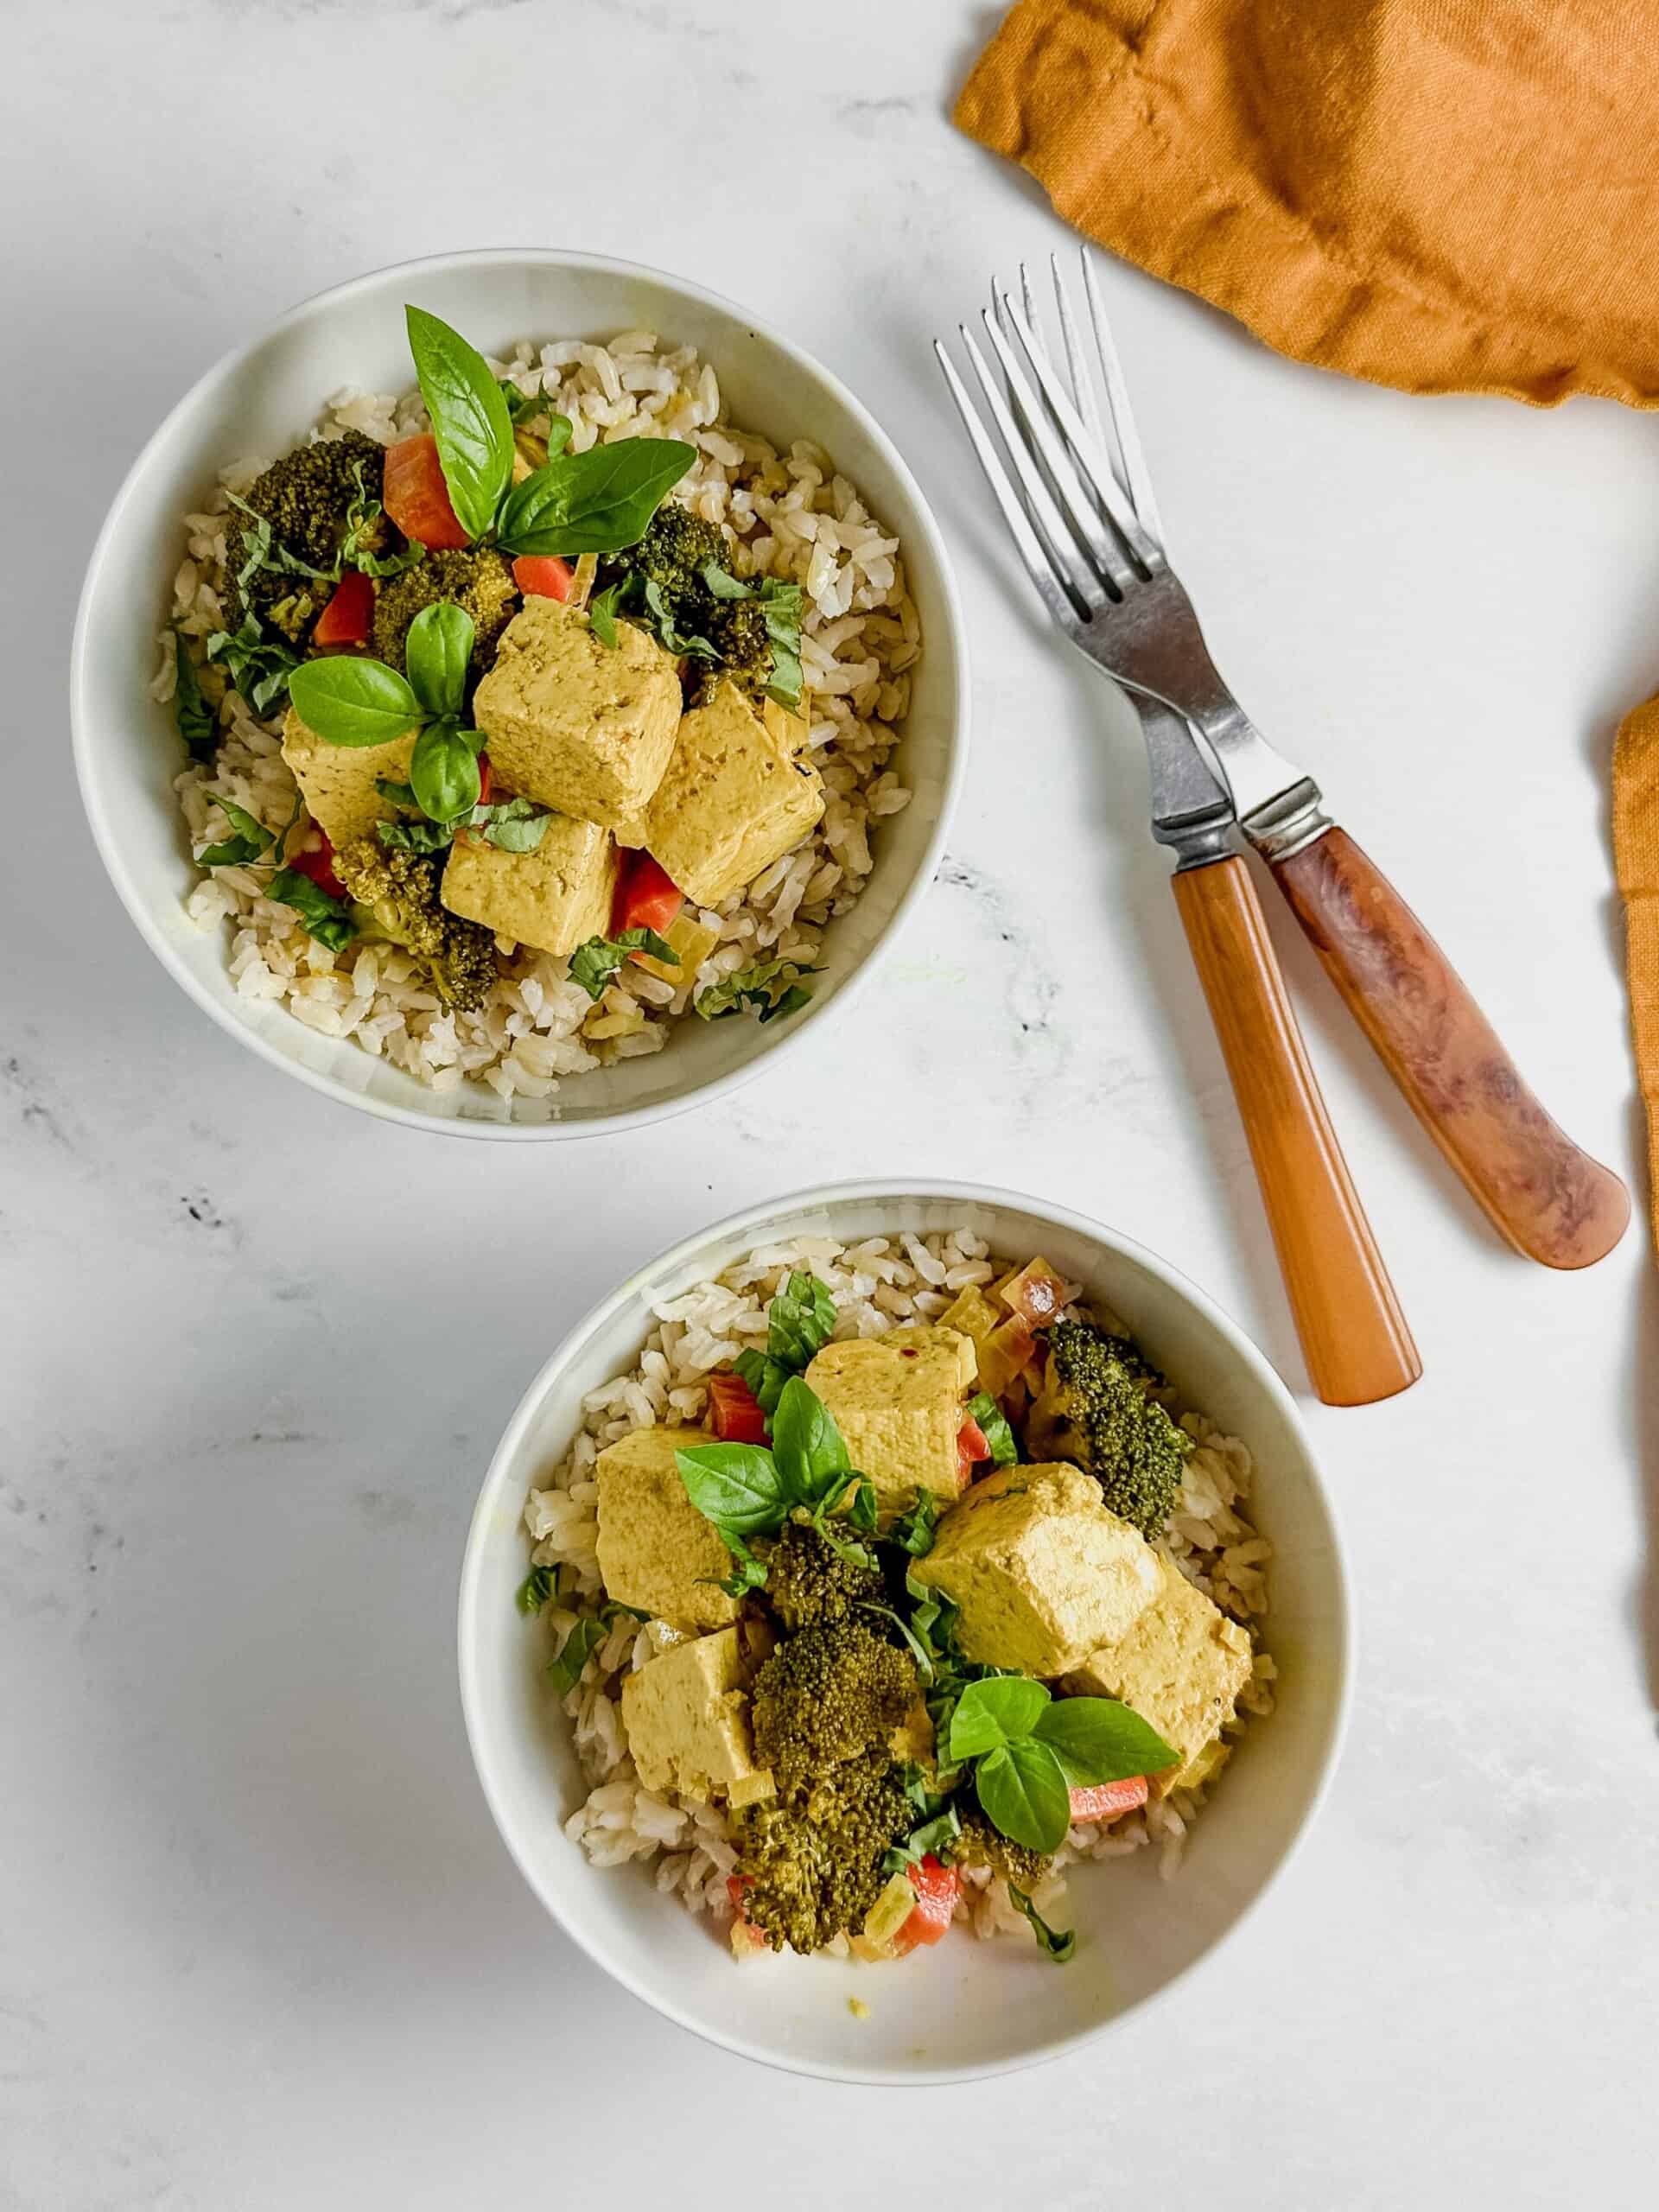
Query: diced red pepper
x: 318, y: 862
x: 484, y: 779
x: 348, y: 618
x: 936, y: 1890
x: 972, y: 1446
x: 542, y: 576
x: 1107, y: 1799
x: 646, y: 898
x: 415, y: 495
x: 735, y: 1412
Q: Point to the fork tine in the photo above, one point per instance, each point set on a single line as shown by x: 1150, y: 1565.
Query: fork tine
x: 1083, y: 385
x: 1074, y: 502
x: 1137, y: 480
x: 1051, y: 590
x: 1097, y: 462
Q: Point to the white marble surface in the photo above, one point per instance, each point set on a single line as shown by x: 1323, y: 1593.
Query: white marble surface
x: 261, y: 1946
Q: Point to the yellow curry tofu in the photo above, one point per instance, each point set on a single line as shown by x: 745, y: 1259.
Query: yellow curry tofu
x: 1181, y: 1667
x: 733, y: 799
x: 656, y: 1551
x: 1043, y: 1572
x: 337, y: 781
x: 582, y: 726
x: 554, y: 897
x: 687, y: 1716
x: 897, y: 1401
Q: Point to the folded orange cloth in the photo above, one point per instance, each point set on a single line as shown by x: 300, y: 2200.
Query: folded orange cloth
x: 1444, y: 195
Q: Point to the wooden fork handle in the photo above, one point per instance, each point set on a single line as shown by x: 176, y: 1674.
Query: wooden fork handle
x: 1551, y: 1200
x: 1355, y: 1337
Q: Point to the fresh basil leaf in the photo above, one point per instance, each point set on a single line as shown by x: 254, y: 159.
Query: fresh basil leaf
x: 601, y: 614
x: 1022, y: 1791
x: 722, y: 586
x: 436, y: 653
x: 994, y: 1427
x: 749, y: 1574
x: 995, y: 1711
x: 251, y: 839
x: 919, y: 1650
x: 737, y: 1486
x: 913, y: 1531
x: 1096, y: 1739
x: 260, y: 667
x: 443, y: 773
x: 764, y: 1377
x: 574, y: 1654
x: 782, y: 604
x: 344, y: 701
x: 1058, y: 1944
x: 614, y: 1610
x: 198, y: 724
x: 770, y: 989
x: 935, y: 1836
x: 594, y: 502
x: 469, y: 419
x: 538, y: 1586
x: 515, y: 825
x: 806, y: 1443
x: 800, y: 1320
x: 520, y: 405
x: 415, y: 836
x: 399, y: 794
x: 593, y: 964
x: 328, y: 920
x: 863, y: 1512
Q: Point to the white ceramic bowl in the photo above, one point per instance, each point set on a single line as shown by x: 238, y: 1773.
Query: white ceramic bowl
x: 261, y: 399
x: 967, y: 2008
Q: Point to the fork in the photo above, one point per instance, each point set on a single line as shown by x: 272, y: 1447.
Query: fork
x: 1079, y: 503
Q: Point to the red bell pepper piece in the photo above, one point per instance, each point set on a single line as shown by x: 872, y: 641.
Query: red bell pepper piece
x: 416, y: 498
x: 972, y: 1446
x: 1107, y: 1799
x: 483, y: 778
x: 735, y: 1412
x: 935, y: 1888
x: 318, y: 862
x: 542, y: 576
x: 646, y: 898
x: 348, y: 618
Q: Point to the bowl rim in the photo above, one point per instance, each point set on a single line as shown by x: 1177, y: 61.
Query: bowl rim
x: 780, y: 1040
x: 883, y: 1190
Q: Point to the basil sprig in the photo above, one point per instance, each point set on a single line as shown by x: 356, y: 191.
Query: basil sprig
x: 800, y: 1321
x: 594, y: 502
x: 593, y: 964
x: 746, y: 1490
x: 1031, y: 1749
x: 770, y: 988
x: 349, y: 701
x: 260, y: 667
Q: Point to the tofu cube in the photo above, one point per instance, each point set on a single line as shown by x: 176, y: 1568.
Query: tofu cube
x: 733, y: 799
x: 1043, y: 1572
x: 656, y: 1551
x: 337, y: 781
x: 792, y: 728
x: 582, y: 726
x: 1181, y: 1668
x: 897, y: 1401
x: 554, y: 897
x: 686, y: 1717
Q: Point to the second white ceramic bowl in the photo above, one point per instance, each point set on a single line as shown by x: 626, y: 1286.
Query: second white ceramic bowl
x: 967, y: 2008
x: 260, y: 400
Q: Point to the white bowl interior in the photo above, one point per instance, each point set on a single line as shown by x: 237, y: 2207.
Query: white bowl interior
x: 261, y: 399
x: 966, y: 2007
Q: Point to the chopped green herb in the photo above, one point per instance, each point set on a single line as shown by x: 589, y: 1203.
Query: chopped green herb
x: 252, y: 838
x: 994, y: 1427
x: 770, y: 989
x: 800, y: 1320
x: 913, y: 1531
x: 198, y: 725
x: 781, y: 604
x: 537, y: 1588
x: 328, y: 920
x: 601, y: 614
x: 260, y: 666
x: 415, y: 836
x: 593, y: 964
x: 574, y: 1654
x: 1056, y: 1944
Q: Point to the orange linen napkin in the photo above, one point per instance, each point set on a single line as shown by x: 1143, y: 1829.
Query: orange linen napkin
x: 1442, y: 195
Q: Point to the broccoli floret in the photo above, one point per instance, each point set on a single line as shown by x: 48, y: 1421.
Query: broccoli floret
x: 480, y: 579
x: 982, y: 1845
x: 1093, y: 1408
x: 808, y: 1580
x: 831, y: 1693
x: 676, y: 548
x: 811, y: 1858
x: 310, y: 498
x: 402, y: 890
